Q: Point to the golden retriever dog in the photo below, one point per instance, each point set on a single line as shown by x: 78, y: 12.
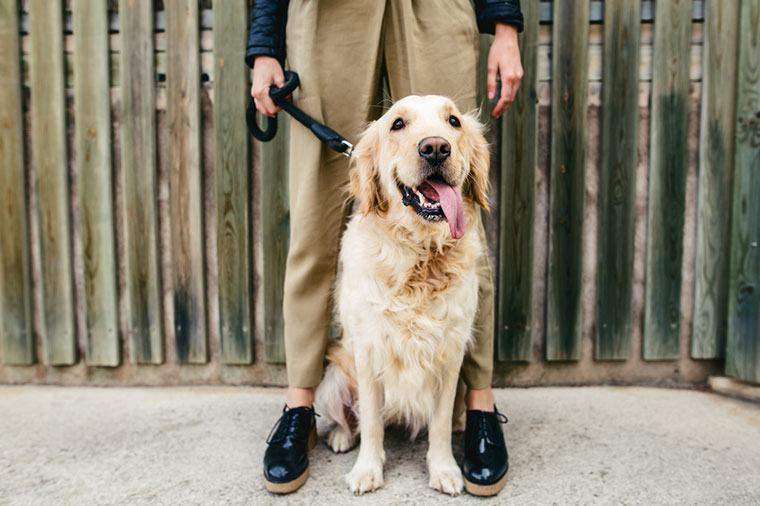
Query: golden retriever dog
x: 407, y: 286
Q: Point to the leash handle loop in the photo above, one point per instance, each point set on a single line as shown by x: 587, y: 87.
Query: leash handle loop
x: 279, y: 96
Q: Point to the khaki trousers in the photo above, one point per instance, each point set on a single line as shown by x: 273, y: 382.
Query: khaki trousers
x: 340, y: 49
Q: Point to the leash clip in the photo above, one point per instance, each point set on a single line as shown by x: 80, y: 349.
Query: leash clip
x: 349, y: 148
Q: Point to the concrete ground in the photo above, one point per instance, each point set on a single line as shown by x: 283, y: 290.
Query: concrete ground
x: 204, y: 445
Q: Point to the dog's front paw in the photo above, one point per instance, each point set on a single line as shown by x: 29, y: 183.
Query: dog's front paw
x: 446, y: 477
x: 340, y: 441
x: 366, y: 476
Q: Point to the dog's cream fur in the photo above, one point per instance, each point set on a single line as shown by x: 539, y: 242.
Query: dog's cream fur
x: 406, y: 294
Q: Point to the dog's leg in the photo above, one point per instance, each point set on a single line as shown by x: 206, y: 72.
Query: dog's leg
x: 367, y: 474
x: 445, y: 475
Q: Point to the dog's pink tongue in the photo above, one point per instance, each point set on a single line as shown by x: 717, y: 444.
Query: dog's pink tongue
x: 451, y: 203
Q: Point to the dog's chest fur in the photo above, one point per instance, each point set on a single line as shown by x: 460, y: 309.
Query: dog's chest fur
x: 410, y: 308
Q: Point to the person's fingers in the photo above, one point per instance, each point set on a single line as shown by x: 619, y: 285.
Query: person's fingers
x: 506, y: 90
x: 491, y: 79
x: 269, y: 106
x: 279, y: 77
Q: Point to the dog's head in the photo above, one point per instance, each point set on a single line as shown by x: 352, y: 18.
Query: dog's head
x: 423, y: 157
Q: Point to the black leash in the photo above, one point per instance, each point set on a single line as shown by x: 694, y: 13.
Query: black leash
x: 324, y: 133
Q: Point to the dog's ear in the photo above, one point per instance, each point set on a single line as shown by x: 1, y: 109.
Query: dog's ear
x: 364, y: 182
x: 476, y: 186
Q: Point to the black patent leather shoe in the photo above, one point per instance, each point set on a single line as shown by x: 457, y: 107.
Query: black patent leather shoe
x: 286, y: 460
x: 486, y: 460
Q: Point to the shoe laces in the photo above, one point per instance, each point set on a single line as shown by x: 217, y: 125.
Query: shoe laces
x: 287, y: 426
x: 484, y: 428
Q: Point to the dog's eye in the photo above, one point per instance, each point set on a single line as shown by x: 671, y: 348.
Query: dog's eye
x: 398, y: 124
x: 454, y: 121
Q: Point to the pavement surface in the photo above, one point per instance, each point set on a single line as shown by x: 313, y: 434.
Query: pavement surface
x: 204, y: 445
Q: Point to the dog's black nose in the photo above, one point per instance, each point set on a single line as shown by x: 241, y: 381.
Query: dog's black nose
x: 434, y: 149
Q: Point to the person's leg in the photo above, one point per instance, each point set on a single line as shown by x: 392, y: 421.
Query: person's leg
x: 435, y: 50
x: 334, y: 47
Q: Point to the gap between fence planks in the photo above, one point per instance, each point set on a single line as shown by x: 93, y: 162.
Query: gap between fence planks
x: 92, y: 110
x: 617, y: 180
x: 519, y: 152
x: 138, y: 160
x: 667, y: 180
x: 715, y: 176
x: 16, y: 339
x: 232, y: 169
x: 49, y: 158
x: 185, y: 195
x: 743, y: 350
x: 568, y: 165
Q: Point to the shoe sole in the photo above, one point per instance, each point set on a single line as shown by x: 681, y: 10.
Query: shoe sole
x: 292, y: 485
x: 485, y: 490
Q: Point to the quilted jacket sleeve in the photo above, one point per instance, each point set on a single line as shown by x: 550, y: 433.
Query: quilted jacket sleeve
x: 490, y: 12
x: 266, y: 36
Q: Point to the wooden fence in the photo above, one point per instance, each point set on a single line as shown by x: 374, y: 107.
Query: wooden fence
x: 143, y: 235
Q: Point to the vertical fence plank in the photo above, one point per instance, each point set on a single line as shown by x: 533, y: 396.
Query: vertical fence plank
x: 49, y: 159
x: 232, y: 181
x: 715, y: 173
x: 275, y: 227
x: 138, y: 160
x: 183, y: 111
x: 568, y: 162
x: 667, y: 179
x: 16, y: 337
x: 519, y: 145
x: 743, y: 350
x: 92, y: 110
x: 617, y: 183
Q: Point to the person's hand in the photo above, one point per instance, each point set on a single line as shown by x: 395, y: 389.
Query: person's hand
x: 504, y: 60
x: 266, y: 72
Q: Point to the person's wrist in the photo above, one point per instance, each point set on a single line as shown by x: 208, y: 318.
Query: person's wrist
x: 506, y: 33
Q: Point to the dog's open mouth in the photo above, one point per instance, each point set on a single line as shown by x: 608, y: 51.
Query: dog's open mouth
x: 435, y: 200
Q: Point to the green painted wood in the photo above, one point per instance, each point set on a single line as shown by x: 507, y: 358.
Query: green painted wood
x: 138, y: 160
x: 232, y: 182
x: 743, y: 343
x: 92, y: 109
x: 48, y: 141
x: 16, y: 338
x: 274, y: 239
x: 715, y: 175
x: 568, y: 162
x: 518, y: 152
x: 667, y: 179
x: 617, y: 179
x: 185, y: 195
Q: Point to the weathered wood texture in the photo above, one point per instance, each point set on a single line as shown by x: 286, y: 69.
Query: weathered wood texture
x: 232, y: 168
x: 172, y: 74
x: 49, y: 158
x: 273, y: 240
x: 16, y: 339
x: 617, y: 182
x: 715, y: 175
x: 667, y: 180
x: 138, y: 160
x: 519, y: 144
x: 568, y: 165
x: 743, y: 350
x: 186, y: 197
x: 92, y: 110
